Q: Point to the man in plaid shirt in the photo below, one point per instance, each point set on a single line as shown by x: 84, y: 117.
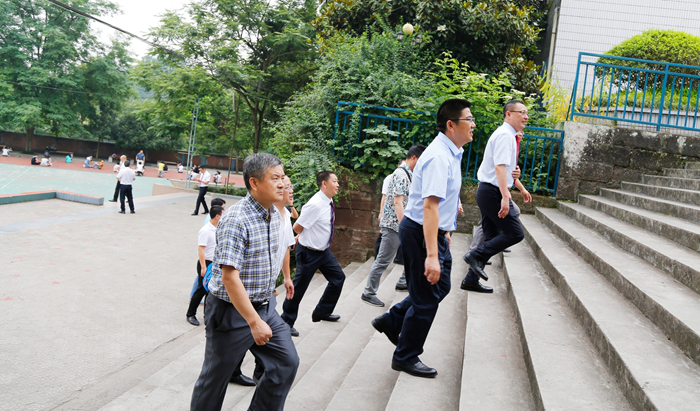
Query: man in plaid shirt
x: 240, y: 308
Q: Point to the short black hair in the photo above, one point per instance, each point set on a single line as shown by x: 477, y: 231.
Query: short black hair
x: 215, y: 210
x: 256, y: 165
x: 217, y: 202
x: 323, y: 176
x: 509, y: 105
x: 450, y: 110
x: 416, y: 150
x: 127, y: 163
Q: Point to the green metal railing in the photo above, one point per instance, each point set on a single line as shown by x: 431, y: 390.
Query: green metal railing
x: 539, y: 157
x: 652, y: 93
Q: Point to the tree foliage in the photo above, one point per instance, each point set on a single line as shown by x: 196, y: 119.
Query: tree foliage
x: 490, y: 35
x: 56, y: 75
x: 262, y: 50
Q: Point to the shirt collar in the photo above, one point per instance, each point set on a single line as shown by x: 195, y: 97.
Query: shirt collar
x: 406, y: 167
x: 509, y: 128
x: 324, y: 197
x: 258, y: 208
x: 456, y: 151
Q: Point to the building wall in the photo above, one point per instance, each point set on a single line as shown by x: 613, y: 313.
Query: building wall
x: 596, y: 26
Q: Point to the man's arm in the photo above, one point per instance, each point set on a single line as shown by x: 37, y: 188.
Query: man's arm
x: 526, y: 195
x: 236, y: 292
x: 381, y: 208
x: 297, y: 228
x: 202, y: 260
x: 502, y: 178
x: 431, y: 220
x: 286, y: 272
x: 398, y: 206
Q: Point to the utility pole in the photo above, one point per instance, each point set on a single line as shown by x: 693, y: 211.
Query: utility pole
x: 193, y: 140
x: 236, y: 106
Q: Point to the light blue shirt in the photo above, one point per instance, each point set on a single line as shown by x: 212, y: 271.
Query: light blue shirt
x: 438, y: 173
x: 500, y: 149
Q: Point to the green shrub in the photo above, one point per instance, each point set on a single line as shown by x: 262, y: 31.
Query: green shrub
x: 666, y: 46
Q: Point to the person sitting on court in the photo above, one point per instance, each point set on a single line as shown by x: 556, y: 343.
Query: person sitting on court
x: 46, y: 162
x: 69, y: 159
x: 35, y: 161
x: 5, y: 152
x: 88, y: 163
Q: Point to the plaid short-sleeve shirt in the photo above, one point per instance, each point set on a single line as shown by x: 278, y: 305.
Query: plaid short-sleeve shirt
x: 247, y: 238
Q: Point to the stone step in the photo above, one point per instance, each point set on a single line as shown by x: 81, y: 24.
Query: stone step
x: 681, y: 173
x: 677, y: 229
x: 565, y: 370
x: 316, y: 388
x: 682, y: 263
x: 665, y: 193
x: 444, y: 349
x: 692, y: 165
x: 654, y: 373
x: 670, y: 305
x: 318, y: 335
x: 366, y: 382
x: 494, y: 376
x: 685, y: 211
x: 673, y: 182
x: 170, y: 388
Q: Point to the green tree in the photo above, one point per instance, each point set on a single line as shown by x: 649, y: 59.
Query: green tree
x: 56, y: 75
x: 492, y: 36
x: 261, y: 50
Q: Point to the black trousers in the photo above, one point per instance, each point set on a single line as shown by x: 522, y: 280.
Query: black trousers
x: 228, y: 339
x: 308, y: 261
x: 413, y: 317
x: 199, y: 293
x: 117, y: 190
x: 500, y: 233
x: 201, y: 200
x: 126, y: 194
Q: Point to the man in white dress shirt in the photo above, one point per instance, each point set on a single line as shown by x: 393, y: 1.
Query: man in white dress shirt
x: 315, y: 227
x: 499, y: 221
x: 203, y: 179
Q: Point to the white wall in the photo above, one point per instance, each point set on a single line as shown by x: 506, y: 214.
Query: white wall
x: 596, y: 26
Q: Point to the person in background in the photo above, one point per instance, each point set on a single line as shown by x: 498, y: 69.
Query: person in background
x: 35, y: 161
x: 117, y: 168
x: 126, y: 177
x: 69, y: 159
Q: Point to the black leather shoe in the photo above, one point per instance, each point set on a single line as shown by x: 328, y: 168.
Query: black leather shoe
x: 478, y: 287
x: 475, y: 265
x: 488, y: 263
x: 401, y: 288
x: 193, y: 320
x: 418, y: 369
x: 194, y: 214
x: 133, y: 212
x: 122, y: 212
x: 380, y: 325
x: 507, y: 250
x: 294, y: 331
x: 241, y: 379
x: 112, y: 201
x: 205, y: 212
x: 324, y: 317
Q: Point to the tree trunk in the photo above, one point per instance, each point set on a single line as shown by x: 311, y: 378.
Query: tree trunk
x: 29, y: 131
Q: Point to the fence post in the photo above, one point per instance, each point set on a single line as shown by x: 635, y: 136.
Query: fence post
x: 572, y: 105
x: 663, y: 98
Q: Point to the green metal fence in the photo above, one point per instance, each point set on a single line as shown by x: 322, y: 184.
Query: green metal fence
x: 539, y: 157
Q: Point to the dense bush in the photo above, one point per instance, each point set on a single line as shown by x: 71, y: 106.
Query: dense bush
x: 667, y: 46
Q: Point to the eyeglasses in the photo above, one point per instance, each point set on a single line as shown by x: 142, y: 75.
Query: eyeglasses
x: 523, y: 112
x: 469, y: 119
x: 289, y: 188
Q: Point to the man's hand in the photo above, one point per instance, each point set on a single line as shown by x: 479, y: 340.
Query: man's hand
x: 203, y: 271
x: 289, y: 286
x: 505, y: 207
x: 516, y: 173
x: 432, y: 269
x: 261, y: 332
x: 449, y: 239
x: 460, y: 209
x: 526, y: 195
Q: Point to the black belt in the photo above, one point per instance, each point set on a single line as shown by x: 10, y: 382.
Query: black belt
x: 442, y: 232
x: 312, y: 249
x: 258, y: 304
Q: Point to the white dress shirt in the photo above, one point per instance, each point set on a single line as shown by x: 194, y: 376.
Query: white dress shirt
x: 315, y: 217
x: 204, y: 179
x: 207, y: 238
x: 286, y: 238
x: 500, y: 150
x: 126, y: 176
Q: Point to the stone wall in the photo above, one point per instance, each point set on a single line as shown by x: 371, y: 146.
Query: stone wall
x: 602, y: 156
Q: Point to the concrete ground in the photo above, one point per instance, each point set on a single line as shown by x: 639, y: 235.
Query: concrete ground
x: 84, y: 291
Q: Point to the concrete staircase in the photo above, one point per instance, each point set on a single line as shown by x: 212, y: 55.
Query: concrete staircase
x: 347, y: 365
x: 605, y: 294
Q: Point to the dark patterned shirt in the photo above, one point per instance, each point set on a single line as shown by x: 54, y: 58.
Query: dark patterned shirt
x: 399, y: 185
x: 247, y: 239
